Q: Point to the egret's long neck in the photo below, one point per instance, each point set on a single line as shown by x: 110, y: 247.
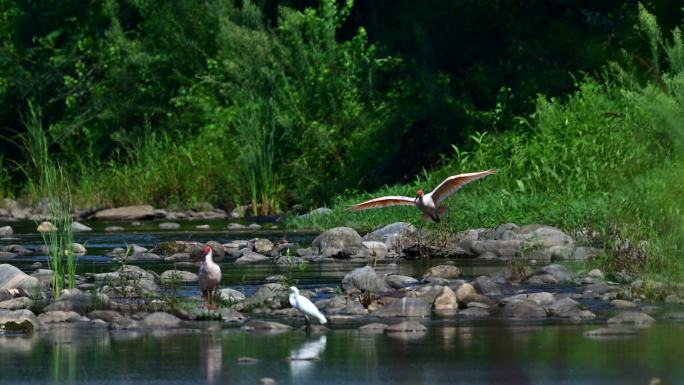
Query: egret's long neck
x: 208, y: 259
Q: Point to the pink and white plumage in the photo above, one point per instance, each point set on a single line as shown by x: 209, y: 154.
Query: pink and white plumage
x: 429, y: 204
x: 209, y: 276
x: 305, y: 306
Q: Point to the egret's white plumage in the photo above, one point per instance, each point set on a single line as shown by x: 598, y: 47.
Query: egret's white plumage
x: 209, y: 275
x: 304, y: 305
x: 429, y: 204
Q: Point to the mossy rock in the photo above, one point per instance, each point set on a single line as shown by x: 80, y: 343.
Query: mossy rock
x: 19, y: 327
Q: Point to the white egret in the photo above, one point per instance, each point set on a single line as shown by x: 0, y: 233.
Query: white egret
x: 305, y: 306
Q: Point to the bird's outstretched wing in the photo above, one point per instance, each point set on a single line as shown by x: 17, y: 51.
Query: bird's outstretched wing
x: 451, y: 184
x: 384, y: 202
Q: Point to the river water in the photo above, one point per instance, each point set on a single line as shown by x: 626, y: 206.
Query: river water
x: 452, y: 351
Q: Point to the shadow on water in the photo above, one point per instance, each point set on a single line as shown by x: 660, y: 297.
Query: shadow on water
x: 493, y: 354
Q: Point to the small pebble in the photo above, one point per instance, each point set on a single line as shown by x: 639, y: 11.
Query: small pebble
x: 266, y: 381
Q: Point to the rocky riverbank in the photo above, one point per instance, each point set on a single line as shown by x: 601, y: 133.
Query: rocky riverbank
x: 526, y: 287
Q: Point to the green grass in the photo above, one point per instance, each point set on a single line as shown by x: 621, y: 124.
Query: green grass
x: 609, y: 157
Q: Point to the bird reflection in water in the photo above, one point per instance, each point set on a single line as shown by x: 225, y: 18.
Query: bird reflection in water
x: 211, y: 355
x: 304, y: 357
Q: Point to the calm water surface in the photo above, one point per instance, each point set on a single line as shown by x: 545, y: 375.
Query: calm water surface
x: 450, y: 354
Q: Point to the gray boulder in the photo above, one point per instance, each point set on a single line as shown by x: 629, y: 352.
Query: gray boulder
x: 406, y: 326
x: 78, y: 227
x: 635, y: 318
x: 78, y: 301
x: 58, y: 316
x: 160, y: 320
x: 544, y: 236
x: 376, y: 249
x: 443, y: 271
x: 339, y: 242
x: 169, y: 226
x: 108, y: 316
x: 396, y: 281
x: 16, y: 303
x: 393, y: 235
x: 263, y: 245
x: 567, y: 307
x: 270, y: 295
x: 266, y: 326
x: 485, y: 285
x: 19, y: 321
x: 250, y: 257
x: 125, y: 213
x: 341, y: 305
x: 231, y: 295
x: 179, y: 276
x: 13, y: 278
x: 523, y: 309
x: 363, y: 279
x: 6, y: 231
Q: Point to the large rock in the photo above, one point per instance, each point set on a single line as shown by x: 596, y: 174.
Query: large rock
x: 376, y: 249
x: 506, y: 249
x: 13, y: 278
x: 464, y: 292
x: 443, y: 271
x: 341, y: 305
x: 6, y: 231
x: 267, y: 326
x: 16, y: 303
x: 363, y: 279
x: 46, y: 227
x: 250, y: 257
x: 58, y: 316
x: 544, y: 236
x: 339, y: 242
x: 263, y: 246
x: 393, y: 235
x: 567, y: 307
x: 635, y: 318
x: 178, y: 276
x: 78, y: 227
x: 396, y: 281
x: 446, y: 300
x: 523, y: 309
x: 486, y: 286
x: 19, y: 321
x: 78, y: 301
x: 160, y: 320
x: 271, y: 295
x: 405, y: 307
x: 125, y: 213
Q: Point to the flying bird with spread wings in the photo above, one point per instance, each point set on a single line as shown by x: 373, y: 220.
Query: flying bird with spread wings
x: 429, y: 204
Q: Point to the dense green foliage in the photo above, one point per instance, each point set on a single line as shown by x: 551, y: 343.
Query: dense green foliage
x: 278, y: 103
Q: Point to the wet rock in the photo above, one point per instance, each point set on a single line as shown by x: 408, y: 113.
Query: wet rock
x: 595, y: 273
x: 377, y: 250
x: 113, y: 229
x: 178, y: 276
x: 231, y: 296
x: 473, y: 312
x: 78, y: 248
x: 392, y: 235
x: 58, y: 316
x: 78, y: 227
x: 263, y: 245
x: 254, y: 226
x: 78, y: 301
x: 560, y: 272
x: 673, y: 299
x: 160, y: 320
x: 486, y: 286
x: 437, y: 281
x: 21, y: 321
x: 443, y: 271
x: 169, y: 226
x: 16, y: 303
x: 106, y: 315
x: 290, y: 260
x: 125, y: 323
x: 231, y: 316
x: 13, y: 278
x: 250, y: 257
x: 202, y: 227
x: 235, y: 226
x: 339, y: 242
x: 405, y: 307
x: 632, y: 318
x: 523, y: 309
x: 269, y: 326
x: 18, y: 249
x: 7, y: 255
x: 271, y: 295
x: 544, y: 236
x: 396, y: 281
x: 6, y: 231
x: 44, y: 276
x: 465, y: 292
x: 428, y: 293
x: 406, y: 326
x: 542, y: 280
x: 622, y: 304
x: 126, y: 213
x: 266, y: 381
x: 46, y: 227
x: 446, y: 300
x: 506, y: 249
x: 560, y: 253
x: 363, y: 279
x: 566, y: 307
x: 341, y: 305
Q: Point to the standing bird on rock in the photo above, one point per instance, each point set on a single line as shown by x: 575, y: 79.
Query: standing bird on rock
x: 209, y: 276
x: 429, y: 204
x: 305, y: 306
